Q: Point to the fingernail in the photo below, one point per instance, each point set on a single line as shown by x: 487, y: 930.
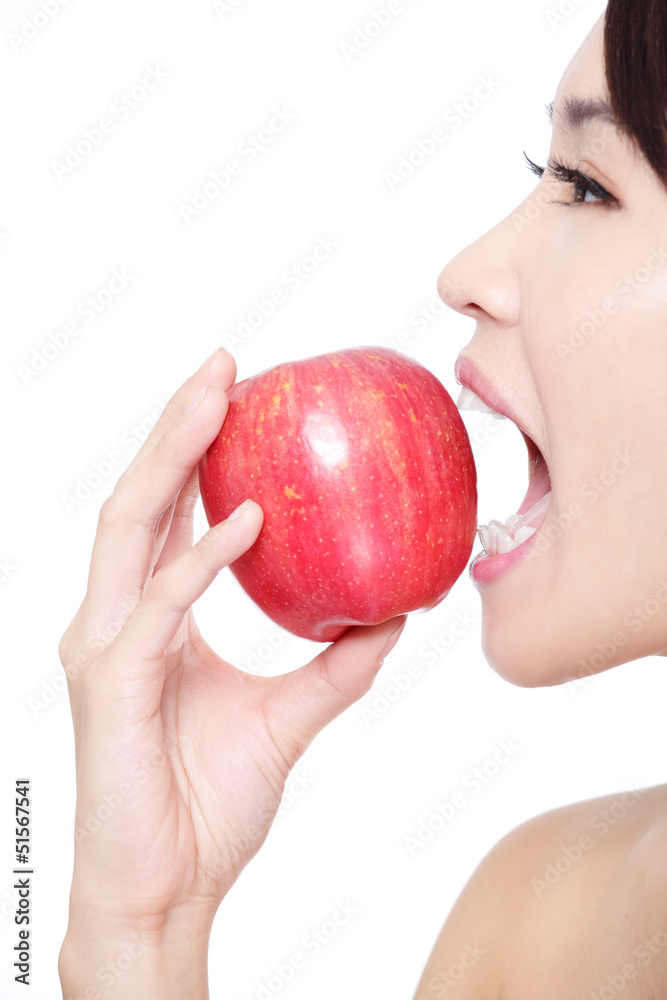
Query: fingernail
x: 391, y: 641
x: 209, y: 358
x: 240, y: 511
x: 197, y: 400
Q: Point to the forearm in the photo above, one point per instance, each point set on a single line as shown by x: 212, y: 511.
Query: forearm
x: 101, y: 962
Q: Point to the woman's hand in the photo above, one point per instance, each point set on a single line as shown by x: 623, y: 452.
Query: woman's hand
x: 181, y: 759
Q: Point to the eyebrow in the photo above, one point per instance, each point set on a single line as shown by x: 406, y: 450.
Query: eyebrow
x: 577, y: 111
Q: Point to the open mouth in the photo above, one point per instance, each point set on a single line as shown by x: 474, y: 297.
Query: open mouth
x: 498, y: 537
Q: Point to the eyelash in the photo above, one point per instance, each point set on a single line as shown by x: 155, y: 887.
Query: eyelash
x: 573, y: 177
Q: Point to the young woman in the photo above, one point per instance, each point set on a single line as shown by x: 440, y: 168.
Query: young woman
x: 570, y: 298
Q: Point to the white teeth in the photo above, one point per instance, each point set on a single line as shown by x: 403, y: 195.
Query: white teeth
x: 496, y: 539
x: 504, y: 542
x: 523, y: 534
x: 469, y: 400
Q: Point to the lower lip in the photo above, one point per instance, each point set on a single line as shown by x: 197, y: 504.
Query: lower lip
x: 486, y: 569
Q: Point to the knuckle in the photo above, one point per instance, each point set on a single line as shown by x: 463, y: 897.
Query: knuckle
x: 160, y: 586
x: 174, y: 408
x: 64, y: 646
x: 115, y: 511
x: 325, y: 677
x: 108, y: 515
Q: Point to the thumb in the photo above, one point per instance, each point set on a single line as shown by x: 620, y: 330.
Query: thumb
x: 311, y: 697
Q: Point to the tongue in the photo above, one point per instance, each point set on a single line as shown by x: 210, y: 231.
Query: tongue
x: 533, y: 517
x: 537, y: 498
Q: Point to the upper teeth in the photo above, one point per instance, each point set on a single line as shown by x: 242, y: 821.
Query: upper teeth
x: 469, y: 400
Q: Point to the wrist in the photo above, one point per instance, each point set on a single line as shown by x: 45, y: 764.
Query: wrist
x: 104, y: 959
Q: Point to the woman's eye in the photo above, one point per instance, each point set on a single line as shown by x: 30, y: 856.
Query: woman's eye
x: 584, y: 189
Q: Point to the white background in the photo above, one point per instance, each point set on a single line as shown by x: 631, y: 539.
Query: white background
x: 370, y: 783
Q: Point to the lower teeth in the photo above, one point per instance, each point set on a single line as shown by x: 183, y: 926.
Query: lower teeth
x: 496, y: 539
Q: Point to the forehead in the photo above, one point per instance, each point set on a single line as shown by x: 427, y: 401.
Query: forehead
x: 584, y: 77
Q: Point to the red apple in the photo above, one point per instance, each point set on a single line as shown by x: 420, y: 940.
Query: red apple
x: 362, y: 465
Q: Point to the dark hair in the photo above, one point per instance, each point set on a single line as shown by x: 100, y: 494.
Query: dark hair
x: 635, y: 41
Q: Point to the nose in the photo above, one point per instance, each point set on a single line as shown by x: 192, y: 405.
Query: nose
x: 483, y: 280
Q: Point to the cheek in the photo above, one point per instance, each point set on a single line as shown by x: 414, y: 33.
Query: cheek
x: 596, y: 341
x: 595, y: 338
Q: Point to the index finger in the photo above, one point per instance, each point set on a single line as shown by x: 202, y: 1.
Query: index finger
x: 218, y: 369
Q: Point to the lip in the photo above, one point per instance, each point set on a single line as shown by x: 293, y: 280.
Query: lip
x: 468, y: 375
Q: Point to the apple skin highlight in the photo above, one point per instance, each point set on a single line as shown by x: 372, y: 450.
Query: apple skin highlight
x: 363, y: 467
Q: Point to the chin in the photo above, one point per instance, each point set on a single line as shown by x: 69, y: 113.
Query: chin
x: 544, y: 657
x: 530, y: 658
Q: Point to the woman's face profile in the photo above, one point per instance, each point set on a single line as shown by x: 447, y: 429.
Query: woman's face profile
x: 569, y: 293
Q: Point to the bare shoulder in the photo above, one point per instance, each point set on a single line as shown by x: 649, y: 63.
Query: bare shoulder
x: 563, y: 900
